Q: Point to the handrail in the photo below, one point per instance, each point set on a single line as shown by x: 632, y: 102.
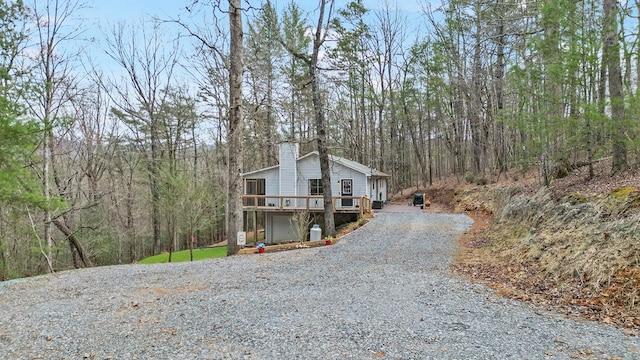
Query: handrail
x: 363, y: 203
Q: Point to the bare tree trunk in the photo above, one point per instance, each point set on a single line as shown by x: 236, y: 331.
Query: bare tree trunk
x: 321, y: 133
x: 4, y: 273
x: 35, y: 234
x: 501, y: 147
x: 54, y: 90
x: 139, y: 104
x: 391, y: 31
x: 234, y: 214
x: 79, y: 252
x: 612, y: 61
x: 412, y: 133
x: 318, y: 109
x: 589, y: 147
x: 474, y: 98
x: 155, y: 188
x: 48, y: 237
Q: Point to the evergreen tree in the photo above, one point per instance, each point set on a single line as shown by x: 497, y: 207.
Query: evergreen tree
x: 261, y: 70
x: 18, y: 137
x: 351, y: 56
x: 295, y: 71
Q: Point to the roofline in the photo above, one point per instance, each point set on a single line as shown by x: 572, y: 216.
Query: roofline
x: 333, y: 158
x: 259, y: 170
x: 315, y: 152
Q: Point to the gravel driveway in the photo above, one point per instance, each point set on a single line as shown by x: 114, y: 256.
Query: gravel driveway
x: 383, y: 292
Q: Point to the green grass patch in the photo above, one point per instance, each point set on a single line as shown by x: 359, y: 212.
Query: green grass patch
x: 181, y: 256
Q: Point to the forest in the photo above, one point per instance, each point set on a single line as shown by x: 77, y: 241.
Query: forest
x: 109, y: 161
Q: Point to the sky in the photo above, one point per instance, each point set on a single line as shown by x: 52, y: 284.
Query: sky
x: 112, y: 11
x: 101, y: 16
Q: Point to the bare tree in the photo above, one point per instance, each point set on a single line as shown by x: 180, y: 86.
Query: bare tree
x: 391, y: 31
x: 234, y: 137
x: 121, y: 178
x: 321, y: 31
x: 149, y: 65
x: 611, y: 60
x: 319, y: 37
x: 300, y: 222
x: 293, y: 33
x: 55, y: 26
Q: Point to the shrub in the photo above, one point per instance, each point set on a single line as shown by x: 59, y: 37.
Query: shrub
x: 470, y: 178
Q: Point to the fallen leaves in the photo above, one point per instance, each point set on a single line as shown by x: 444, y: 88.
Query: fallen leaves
x: 522, y: 275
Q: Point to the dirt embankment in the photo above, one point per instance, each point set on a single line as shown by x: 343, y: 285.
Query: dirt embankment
x: 573, y: 247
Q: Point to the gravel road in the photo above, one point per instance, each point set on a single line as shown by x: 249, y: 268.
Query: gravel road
x: 383, y: 292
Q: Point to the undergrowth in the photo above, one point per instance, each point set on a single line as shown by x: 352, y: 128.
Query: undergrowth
x: 581, y: 252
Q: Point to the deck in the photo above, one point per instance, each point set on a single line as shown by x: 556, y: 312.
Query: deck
x: 341, y: 204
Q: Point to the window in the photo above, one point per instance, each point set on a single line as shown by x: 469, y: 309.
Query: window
x: 255, y: 187
x: 315, y: 187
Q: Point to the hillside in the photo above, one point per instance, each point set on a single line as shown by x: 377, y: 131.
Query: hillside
x: 572, y: 248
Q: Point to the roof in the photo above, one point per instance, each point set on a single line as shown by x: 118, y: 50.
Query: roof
x: 260, y: 170
x: 354, y: 165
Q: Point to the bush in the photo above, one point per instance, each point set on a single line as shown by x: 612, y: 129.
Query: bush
x: 470, y: 178
x: 473, y: 179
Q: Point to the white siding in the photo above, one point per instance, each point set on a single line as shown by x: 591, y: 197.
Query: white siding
x: 271, y: 180
x: 291, y: 177
x: 359, y: 182
x: 272, y: 185
x: 288, y: 169
x: 309, y: 168
x: 380, y: 190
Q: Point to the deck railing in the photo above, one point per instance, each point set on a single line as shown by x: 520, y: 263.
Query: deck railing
x: 360, y: 204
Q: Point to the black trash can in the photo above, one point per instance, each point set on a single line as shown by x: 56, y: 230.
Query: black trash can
x: 418, y: 199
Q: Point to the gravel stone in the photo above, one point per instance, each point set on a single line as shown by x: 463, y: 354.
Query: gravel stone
x: 385, y: 291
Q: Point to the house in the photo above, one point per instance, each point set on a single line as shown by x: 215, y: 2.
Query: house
x: 295, y: 185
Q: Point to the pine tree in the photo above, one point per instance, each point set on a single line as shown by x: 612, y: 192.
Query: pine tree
x: 18, y: 137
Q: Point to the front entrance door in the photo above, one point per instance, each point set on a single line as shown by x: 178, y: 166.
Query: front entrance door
x: 346, y: 190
